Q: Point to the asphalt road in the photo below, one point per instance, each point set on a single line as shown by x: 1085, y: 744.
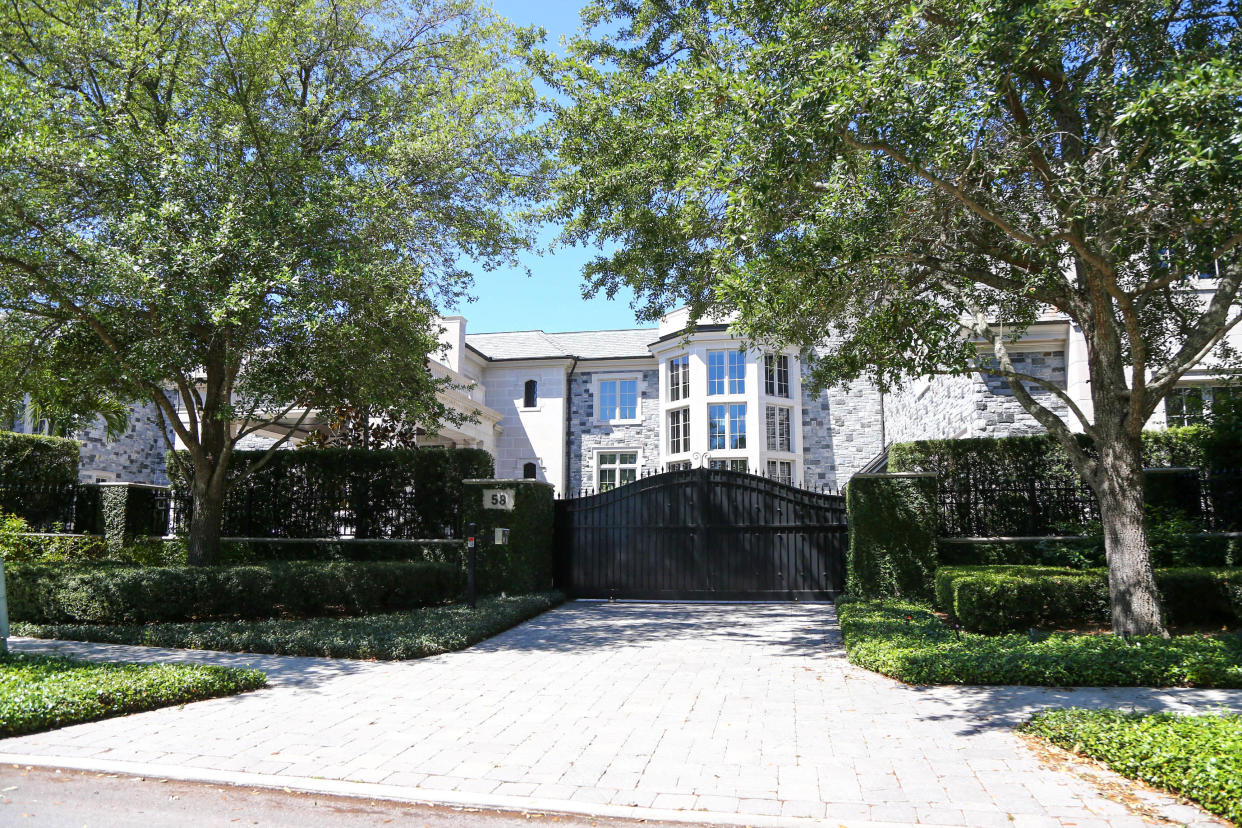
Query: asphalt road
x: 74, y: 799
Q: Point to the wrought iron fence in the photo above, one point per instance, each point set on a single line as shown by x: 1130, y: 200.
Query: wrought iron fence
x: 1211, y: 498
x: 338, y: 509
x: 69, y: 507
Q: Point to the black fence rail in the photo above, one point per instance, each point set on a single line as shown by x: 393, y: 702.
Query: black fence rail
x: 1211, y: 499
x: 335, y: 510
x: 70, y: 507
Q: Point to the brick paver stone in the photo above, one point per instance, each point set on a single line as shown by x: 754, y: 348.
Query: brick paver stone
x: 706, y: 709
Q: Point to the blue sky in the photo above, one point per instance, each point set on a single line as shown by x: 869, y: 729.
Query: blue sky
x: 551, y: 298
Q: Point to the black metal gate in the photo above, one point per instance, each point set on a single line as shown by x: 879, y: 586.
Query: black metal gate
x: 705, y: 534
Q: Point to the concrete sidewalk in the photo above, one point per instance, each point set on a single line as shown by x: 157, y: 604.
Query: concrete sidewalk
x: 746, y: 714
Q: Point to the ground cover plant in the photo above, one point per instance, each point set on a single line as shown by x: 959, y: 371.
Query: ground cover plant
x: 1199, y: 757
x: 392, y: 637
x: 909, y: 642
x: 39, y: 692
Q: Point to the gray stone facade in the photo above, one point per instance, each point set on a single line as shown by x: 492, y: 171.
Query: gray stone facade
x: 977, y: 405
x: 137, y: 456
x: 841, y: 432
x: 587, y: 434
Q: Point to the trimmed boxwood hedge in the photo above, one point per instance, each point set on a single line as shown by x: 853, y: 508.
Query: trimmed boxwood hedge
x: 39, y: 692
x: 908, y: 642
x: 125, y: 594
x: 1199, y: 757
x: 992, y: 599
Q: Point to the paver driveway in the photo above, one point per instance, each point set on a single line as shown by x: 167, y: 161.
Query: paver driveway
x: 750, y: 710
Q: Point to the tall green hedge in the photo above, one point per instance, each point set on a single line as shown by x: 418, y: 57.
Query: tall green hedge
x: 35, y: 460
x: 307, y: 493
x: 527, y: 562
x: 995, y: 460
x: 892, y: 533
x: 141, y: 595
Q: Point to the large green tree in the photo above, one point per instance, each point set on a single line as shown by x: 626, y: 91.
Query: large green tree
x: 243, y: 211
x: 922, y: 180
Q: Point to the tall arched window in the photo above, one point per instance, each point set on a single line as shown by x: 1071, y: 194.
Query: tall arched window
x: 530, y: 471
x: 531, y: 398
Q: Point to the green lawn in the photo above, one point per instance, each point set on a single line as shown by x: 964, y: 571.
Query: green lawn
x: 43, y: 692
x: 907, y: 642
x: 1199, y: 757
x: 395, y: 636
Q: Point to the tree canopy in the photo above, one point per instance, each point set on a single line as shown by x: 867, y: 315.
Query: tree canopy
x: 255, y: 205
x: 922, y: 179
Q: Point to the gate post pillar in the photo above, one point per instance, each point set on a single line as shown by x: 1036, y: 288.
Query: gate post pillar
x: 893, y: 528
x: 524, y: 561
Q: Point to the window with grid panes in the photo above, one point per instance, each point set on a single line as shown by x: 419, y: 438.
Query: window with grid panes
x: 779, y: 428
x: 679, y: 431
x: 776, y: 375
x: 616, y: 468
x: 781, y: 471
x: 618, y: 399
x: 678, y: 378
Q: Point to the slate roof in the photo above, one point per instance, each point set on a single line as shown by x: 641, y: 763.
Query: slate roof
x: 632, y: 342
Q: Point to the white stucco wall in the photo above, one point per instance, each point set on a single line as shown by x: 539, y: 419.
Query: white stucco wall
x: 529, y: 435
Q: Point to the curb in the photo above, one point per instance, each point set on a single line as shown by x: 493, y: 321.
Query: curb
x: 419, y: 796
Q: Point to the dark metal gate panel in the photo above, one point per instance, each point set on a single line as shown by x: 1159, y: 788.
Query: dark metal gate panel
x: 702, y: 533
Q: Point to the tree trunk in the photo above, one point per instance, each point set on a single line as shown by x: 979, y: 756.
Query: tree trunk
x: 203, y: 544
x: 1132, y: 591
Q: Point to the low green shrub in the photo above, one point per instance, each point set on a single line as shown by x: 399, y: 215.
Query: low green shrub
x: 125, y: 594
x: 908, y: 642
x: 1198, y: 757
x: 43, y: 692
x: 392, y: 637
x: 991, y: 599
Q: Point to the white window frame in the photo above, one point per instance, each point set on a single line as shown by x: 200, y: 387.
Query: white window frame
x: 772, y: 428
x: 618, y: 379
x: 679, y: 431
x: 599, y: 465
x: 730, y: 436
x: 730, y: 463
x: 730, y: 385
x: 777, y: 475
x: 1207, y: 397
x: 679, y: 381
x: 772, y: 372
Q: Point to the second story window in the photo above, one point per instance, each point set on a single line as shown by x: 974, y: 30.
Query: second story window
x: 776, y: 375
x: 530, y: 396
x: 726, y: 372
x: 678, y: 378
x: 779, y: 430
x: 1192, y: 404
x: 618, y: 399
x: 726, y: 426
x: 737, y: 372
x: 679, y: 431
